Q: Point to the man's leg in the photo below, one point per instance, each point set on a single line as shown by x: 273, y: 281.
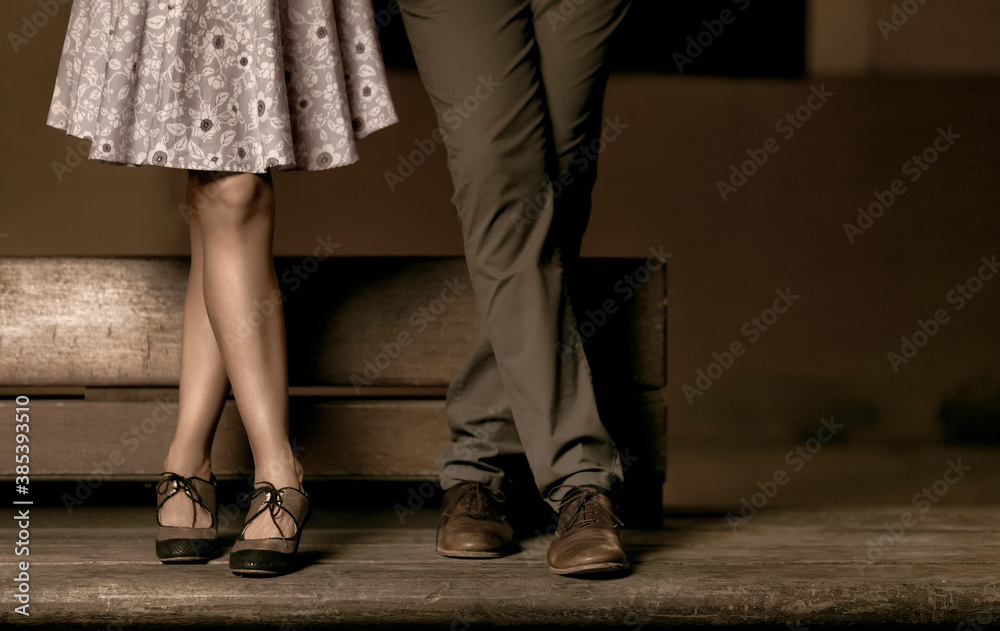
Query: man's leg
x: 479, y: 415
x: 573, y: 41
x: 573, y: 51
x: 480, y: 64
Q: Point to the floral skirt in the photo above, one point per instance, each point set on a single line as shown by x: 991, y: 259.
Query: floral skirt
x: 222, y: 85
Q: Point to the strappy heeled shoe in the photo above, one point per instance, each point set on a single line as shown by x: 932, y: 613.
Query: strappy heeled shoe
x: 180, y: 544
x: 273, y: 555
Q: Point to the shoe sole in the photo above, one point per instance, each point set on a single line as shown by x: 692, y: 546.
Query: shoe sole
x: 458, y: 554
x: 188, y: 550
x: 594, y: 568
x: 256, y: 562
x: 252, y: 573
x: 261, y: 563
x: 479, y: 554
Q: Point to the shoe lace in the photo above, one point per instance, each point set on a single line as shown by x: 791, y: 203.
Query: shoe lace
x: 273, y: 504
x: 585, y: 511
x: 181, y: 485
x: 475, y: 502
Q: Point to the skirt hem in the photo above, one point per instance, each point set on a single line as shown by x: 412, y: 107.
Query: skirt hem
x: 278, y: 167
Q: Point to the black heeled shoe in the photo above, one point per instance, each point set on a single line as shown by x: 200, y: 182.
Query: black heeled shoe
x: 273, y: 555
x: 179, y: 544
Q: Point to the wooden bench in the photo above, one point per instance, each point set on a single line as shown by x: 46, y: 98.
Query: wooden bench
x: 373, y: 343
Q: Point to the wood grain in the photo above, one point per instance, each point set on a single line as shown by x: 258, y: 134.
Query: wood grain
x: 116, y: 321
x: 374, y: 340
x: 787, y: 567
x: 382, y: 438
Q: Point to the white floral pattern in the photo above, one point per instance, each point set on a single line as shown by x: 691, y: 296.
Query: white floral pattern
x: 222, y: 85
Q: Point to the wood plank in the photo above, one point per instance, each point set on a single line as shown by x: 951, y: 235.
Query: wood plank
x: 129, y: 440
x: 789, y: 567
x: 116, y: 393
x: 116, y: 321
x: 395, y: 438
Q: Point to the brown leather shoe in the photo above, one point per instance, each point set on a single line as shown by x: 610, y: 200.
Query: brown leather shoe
x: 587, y: 539
x: 472, y: 524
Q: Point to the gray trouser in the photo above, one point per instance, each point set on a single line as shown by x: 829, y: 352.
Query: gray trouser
x: 518, y: 87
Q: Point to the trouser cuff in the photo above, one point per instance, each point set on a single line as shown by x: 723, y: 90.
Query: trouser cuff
x: 604, y: 482
x: 456, y: 474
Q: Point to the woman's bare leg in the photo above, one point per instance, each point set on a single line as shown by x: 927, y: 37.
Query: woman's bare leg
x: 203, y: 388
x: 243, y: 302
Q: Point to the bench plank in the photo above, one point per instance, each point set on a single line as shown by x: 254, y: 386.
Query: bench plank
x: 69, y: 321
x: 378, y: 438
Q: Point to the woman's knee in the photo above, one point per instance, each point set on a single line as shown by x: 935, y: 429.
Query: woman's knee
x: 230, y: 199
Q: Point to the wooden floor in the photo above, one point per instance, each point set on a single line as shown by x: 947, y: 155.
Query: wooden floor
x: 781, y: 569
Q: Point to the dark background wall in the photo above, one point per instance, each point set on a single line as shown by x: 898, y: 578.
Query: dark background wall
x: 826, y: 356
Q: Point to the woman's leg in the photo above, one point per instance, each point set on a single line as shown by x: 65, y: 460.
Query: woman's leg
x: 203, y: 388
x: 244, y: 306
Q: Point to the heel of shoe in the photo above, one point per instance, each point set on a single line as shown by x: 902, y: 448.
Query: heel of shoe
x: 188, y: 550
x: 276, y: 555
x: 256, y: 562
x: 178, y: 544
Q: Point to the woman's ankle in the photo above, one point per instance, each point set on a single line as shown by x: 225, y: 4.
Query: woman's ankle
x: 187, y: 465
x: 281, y: 473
